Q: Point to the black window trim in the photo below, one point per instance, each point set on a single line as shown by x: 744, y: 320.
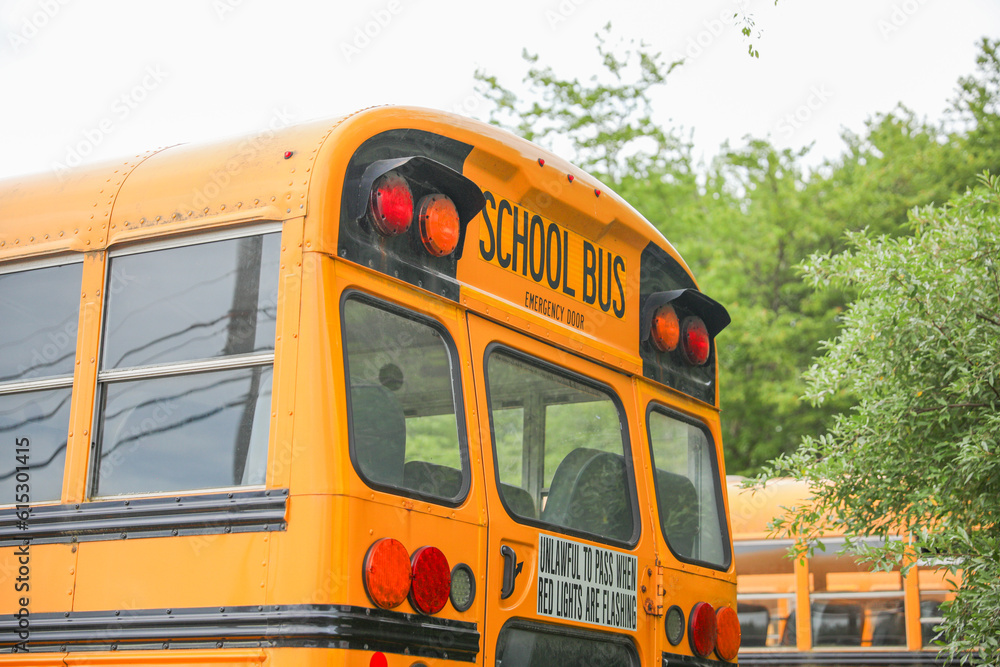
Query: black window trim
x: 169, y: 369
x: 720, y: 505
x: 597, y: 385
x: 408, y: 312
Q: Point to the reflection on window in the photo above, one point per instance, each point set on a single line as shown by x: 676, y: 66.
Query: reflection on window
x: 404, y: 429
x: 521, y: 647
x: 185, y: 432
x: 560, y: 450
x: 185, y: 380
x: 195, y: 302
x: 40, y: 310
x: 688, y: 494
x: 41, y: 417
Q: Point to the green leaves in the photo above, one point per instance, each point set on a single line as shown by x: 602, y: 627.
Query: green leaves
x: 919, y: 351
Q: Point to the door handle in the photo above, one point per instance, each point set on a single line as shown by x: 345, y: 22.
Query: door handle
x: 511, y: 568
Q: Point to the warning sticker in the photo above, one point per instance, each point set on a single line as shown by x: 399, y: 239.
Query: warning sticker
x: 580, y: 582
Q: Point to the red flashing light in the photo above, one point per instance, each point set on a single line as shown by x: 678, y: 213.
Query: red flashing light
x: 727, y: 644
x: 570, y: 177
x: 390, y: 205
x: 378, y: 660
x: 696, y: 342
x: 666, y: 329
x: 387, y: 573
x: 431, y: 580
x: 702, y: 629
x: 439, y: 224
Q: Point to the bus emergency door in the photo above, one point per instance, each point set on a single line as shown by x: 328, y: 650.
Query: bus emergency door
x: 567, y: 556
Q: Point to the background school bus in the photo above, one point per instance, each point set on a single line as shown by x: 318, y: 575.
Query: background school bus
x: 829, y: 607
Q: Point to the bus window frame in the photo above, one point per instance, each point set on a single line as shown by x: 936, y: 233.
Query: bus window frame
x: 46, y: 383
x: 720, y: 504
x: 457, y: 397
x: 578, y: 377
x: 105, y: 377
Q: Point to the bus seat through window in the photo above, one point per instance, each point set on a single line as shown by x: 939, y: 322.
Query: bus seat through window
x: 379, y: 433
x: 832, y: 625
x: 678, y: 503
x: 889, y: 628
x: 754, y: 619
x: 588, y: 493
x: 432, y: 479
x: 518, y: 500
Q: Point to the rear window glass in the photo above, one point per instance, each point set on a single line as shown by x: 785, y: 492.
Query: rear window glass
x: 688, y: 490
x: 405, y: 430
x: 560, y: 449
x: 524, y: 647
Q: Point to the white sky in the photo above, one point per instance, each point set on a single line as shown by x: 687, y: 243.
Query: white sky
x: 98, y: 79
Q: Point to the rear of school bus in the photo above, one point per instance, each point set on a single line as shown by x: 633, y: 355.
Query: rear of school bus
x: 398, y: 389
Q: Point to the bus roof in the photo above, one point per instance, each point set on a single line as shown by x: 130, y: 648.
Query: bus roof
x: 304, y: 172
x: 186, y: 187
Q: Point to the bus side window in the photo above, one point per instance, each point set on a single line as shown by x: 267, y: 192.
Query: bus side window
x: 40, y: 310
x: 560, y: 449
x: 185, y: 378
x: 688, y: 490
x: 405, y: 427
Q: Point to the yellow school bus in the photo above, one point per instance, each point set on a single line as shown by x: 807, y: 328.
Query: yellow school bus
x: 393, y: 389
x: 829, y: 608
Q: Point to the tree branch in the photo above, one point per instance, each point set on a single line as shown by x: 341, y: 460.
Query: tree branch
x: 919, y: 411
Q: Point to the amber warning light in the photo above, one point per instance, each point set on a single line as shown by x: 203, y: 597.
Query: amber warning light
x: 682, y: 323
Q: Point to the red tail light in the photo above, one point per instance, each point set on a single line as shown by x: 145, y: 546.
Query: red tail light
x: 727, y: 644
x: 431, y: 580
x: 696, y: 342
x: 439, y: 224
x: 387, y: 573
x: 702, y: 630
x: 390, y: 205
x: 666, y: 329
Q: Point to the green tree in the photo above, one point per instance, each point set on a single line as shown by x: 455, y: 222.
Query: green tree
x: 920, y: 450
x: 977, y: 107
x: 744, y: 222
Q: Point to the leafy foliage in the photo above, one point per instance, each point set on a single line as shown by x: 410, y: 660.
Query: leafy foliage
x: 918, y: 453
x: 744, y: 222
